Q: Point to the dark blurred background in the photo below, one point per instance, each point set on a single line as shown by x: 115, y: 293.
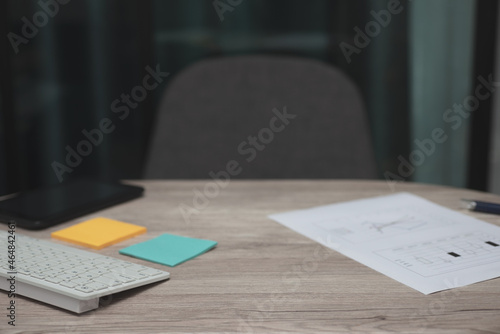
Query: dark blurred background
x: 64, y: 78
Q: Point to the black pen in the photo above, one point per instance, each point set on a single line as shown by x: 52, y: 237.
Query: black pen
x: 482, y: 206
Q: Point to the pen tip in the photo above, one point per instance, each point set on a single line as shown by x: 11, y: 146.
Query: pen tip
x: 468, y: 204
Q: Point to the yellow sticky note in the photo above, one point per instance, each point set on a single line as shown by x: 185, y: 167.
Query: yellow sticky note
x: 98, y: 233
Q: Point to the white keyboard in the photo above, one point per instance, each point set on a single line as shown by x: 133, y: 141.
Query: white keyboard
x: 67, y: 277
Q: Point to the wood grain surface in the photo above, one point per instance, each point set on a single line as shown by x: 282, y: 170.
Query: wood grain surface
x: 263, y: 277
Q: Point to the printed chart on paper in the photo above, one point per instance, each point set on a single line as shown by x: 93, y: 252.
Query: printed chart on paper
x: 419, y: 243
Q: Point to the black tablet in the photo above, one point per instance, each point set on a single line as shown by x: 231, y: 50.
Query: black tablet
x: 44, y: 207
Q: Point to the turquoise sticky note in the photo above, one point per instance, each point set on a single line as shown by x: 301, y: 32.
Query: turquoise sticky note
x: 169, y: 249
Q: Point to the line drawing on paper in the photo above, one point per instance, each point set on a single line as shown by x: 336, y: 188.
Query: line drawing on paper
x: 446, y: 254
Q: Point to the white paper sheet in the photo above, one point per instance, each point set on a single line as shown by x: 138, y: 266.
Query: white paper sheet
x: 414, y: 241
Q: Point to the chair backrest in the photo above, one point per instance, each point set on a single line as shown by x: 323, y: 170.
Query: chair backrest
x: 261, y: 117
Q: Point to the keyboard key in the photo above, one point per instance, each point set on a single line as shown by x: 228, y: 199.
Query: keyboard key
x: 38, y: 275
x: 84, y: 288
x: 67, y: 277
x: 53, y: 273
x: 98, y: 272
x: 96, y: 286
x: 121, y: 278
x: 83, y: 268
x: 23, y: 270
x: 151, y: 272
x: 89, y: 275
x: 108, y: 281
x: 53, y: 279
x: 134, y: 274
x: 80, y: 281
x: 68, y: 284
x: 72, y: 272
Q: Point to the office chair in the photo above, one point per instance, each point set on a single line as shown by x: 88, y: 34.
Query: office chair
x: 262, y: 117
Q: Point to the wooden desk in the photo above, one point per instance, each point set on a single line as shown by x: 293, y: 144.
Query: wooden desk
x: 263, y: 277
